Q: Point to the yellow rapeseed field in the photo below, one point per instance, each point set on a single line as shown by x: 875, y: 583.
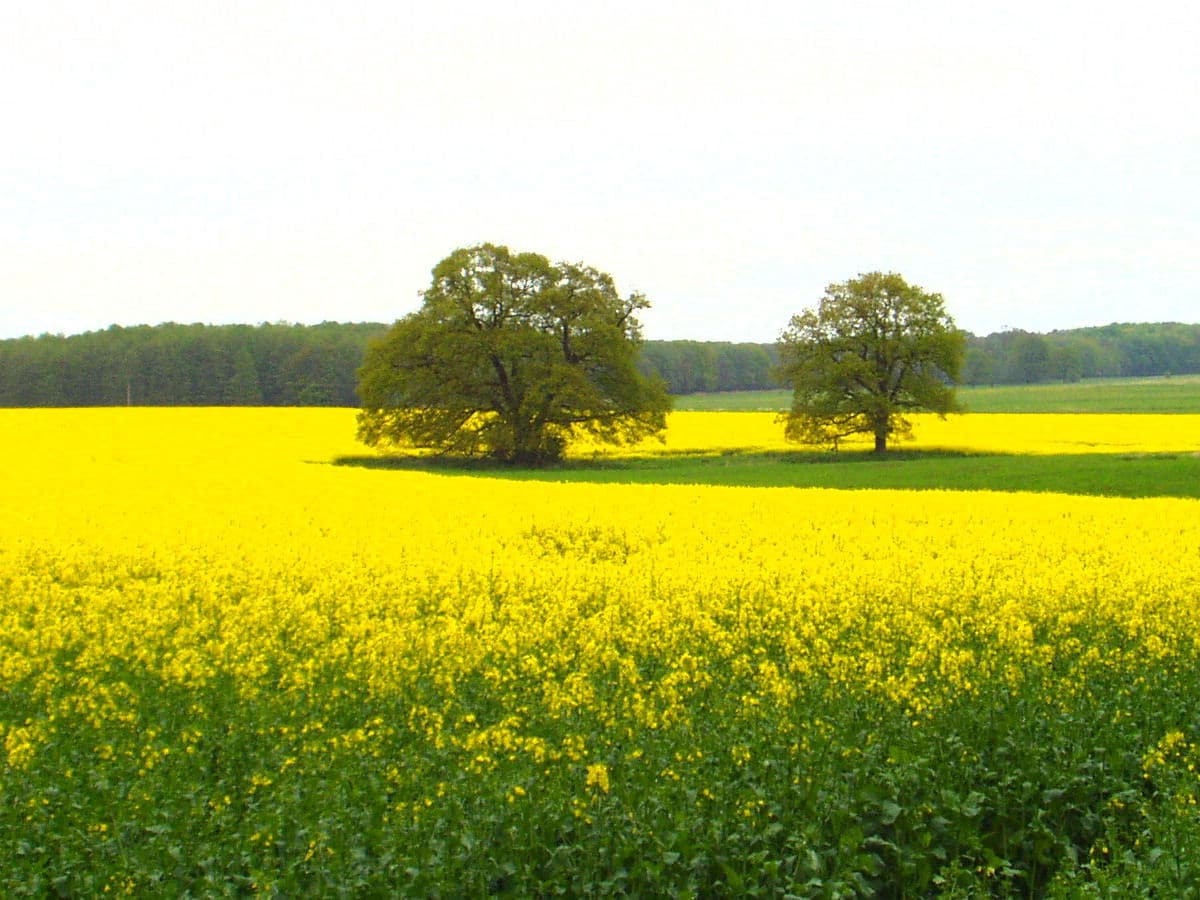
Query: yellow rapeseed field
x: 200, y: 613
x: 1000, y: 433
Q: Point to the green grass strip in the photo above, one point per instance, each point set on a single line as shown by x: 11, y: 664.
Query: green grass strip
x: 1108, y: 475
x: 1180, y: 394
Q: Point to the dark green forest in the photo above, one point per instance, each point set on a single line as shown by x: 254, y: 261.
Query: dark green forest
x: 316, y: 365
x: 1109, y: 351
x: 187, y: 365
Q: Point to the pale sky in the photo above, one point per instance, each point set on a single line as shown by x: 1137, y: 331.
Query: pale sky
x: 1037, y: 163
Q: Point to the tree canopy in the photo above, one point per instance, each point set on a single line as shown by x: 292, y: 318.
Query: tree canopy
x: 510, y: 356
x: 874, y: 349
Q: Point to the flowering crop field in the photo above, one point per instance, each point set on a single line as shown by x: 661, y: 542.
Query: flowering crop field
x: 1047, y: 433
x: 227, y: 666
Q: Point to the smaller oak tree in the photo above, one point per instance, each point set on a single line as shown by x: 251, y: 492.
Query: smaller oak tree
x: 874, y: 349
x: 510, y: 356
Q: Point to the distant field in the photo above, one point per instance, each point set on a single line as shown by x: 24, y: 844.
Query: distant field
x: 734, y: 401
x: 1179, y: 394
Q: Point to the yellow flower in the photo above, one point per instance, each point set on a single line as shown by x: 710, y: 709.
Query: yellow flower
x: 597, y: 776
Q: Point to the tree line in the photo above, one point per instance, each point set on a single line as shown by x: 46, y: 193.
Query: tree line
x: 316, y: 365
x: 187, y: 365
x: 1110, y: 351
x: 280, y: 365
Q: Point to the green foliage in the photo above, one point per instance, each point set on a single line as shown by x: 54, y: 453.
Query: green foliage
x: 1012, y: 790
x: 510, y: 356
x: 1118, y: 350
x: 187, y: 365
x: 874, y: 349
x: 689, y: 367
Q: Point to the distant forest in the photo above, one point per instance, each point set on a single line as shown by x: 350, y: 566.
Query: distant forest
x: 316, y: 365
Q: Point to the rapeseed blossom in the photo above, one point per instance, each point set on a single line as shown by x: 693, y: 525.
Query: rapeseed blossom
x: 992, y: 433
x: 197, y: 607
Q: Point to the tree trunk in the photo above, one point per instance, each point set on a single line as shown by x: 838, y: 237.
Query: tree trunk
x: 528, y: 448
x: 881, y: 441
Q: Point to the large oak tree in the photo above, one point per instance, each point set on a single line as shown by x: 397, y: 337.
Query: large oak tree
x: 510, y: 356
x: 874, y: 350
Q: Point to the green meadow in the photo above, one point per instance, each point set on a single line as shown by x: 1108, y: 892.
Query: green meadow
x: 1100, y: 474
x: 1178, y: 394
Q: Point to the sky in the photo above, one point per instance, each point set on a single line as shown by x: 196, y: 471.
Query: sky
x: 1036, y: 163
